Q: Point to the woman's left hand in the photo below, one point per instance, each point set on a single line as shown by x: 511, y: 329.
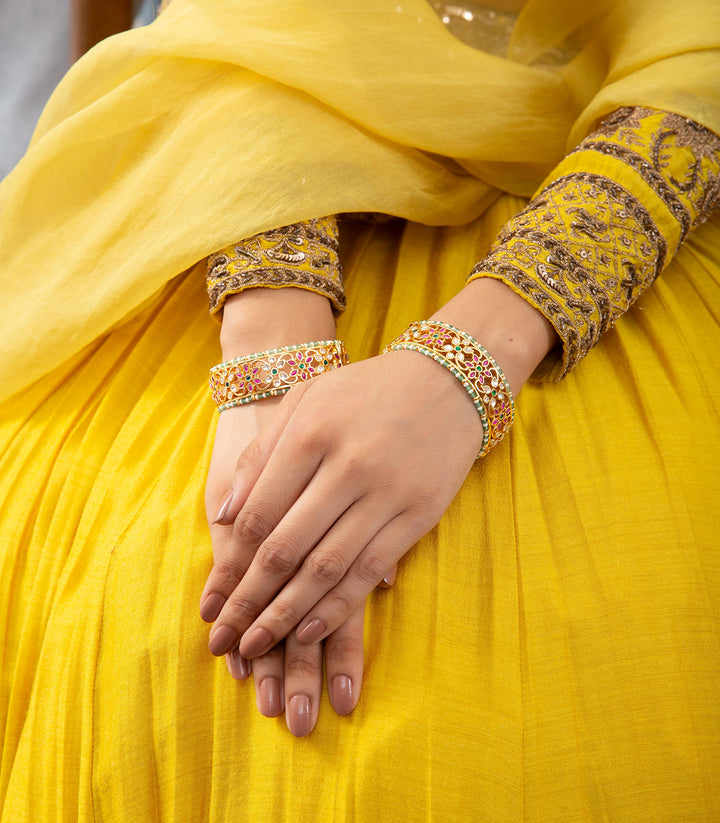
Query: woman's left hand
x: 289, y: 677
x: 358, y: 465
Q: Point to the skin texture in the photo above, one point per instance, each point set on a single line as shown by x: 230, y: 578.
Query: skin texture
x: 288, y: 678
x: 344, y: 479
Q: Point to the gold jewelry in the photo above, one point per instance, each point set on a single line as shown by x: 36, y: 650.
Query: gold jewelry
x: 272, y: 372
x: 472, y: 365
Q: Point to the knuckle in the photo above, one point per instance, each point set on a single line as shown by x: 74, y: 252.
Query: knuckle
x: 327, y: 567
x: 344, y: 650
x: 307, y: 434
x: 370, y: 568
x: 278, y: 559
x: 287, y: 613
x: 340, y: 604
x: 253, y: 527
x: 227, y: 574
x: 241, y: 612
x: 300, y: 666
x: 344, y: 647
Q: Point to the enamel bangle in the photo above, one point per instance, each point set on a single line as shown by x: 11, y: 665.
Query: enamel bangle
x: 272, y: 372
x: 472, y: 365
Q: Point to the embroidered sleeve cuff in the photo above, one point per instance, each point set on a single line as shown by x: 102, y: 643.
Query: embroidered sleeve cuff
x: 610, y: 218
x: 303, y: 255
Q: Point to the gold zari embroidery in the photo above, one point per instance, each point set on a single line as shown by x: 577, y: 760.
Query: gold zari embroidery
x: 304, y: 255
x: 585, y: 248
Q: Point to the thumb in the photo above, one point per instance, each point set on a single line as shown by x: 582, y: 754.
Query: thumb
x: 254, y: 458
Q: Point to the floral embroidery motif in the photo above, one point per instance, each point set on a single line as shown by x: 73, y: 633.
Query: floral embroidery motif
x: 304, y: 255
x: 677, y: 157
x: 585, y: 248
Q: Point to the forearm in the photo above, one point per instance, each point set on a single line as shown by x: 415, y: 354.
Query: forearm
x: 259, y: 319
x: 511, y: 329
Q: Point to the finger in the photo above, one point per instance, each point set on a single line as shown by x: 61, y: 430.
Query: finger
x: 362, y: 577
x: 287, y: 475
x: 234, y: 426
x: 279, y: 557
x: 269, y: 674
x: 253, y: 460
x: 235, y: 546
x: 344, y: 662
x: 303, y: 686
x: 322, y: 569
x: 238, y: 666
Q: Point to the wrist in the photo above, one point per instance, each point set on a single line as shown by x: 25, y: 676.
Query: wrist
x: 263, y: 318
x: 516, y: 335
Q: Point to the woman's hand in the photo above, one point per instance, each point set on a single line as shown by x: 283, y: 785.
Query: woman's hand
x: 358, y: 465
x: 289, y: 677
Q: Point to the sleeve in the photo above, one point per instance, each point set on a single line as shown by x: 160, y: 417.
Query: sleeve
x: 605, y: 224
x: 303, y: 255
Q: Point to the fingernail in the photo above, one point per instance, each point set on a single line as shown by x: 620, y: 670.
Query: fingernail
x: 270, y: 697
x: 222, y: 640
x: 298, y: 715
x: 310, y: 633
x: 211, y: 607
x: 224, y: 506
x: 255, y: 642
x: 238, y: 667
x: 342, y: 694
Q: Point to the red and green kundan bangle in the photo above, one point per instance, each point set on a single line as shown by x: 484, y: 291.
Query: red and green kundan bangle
x: 272, y: 372
x: 472, y: 365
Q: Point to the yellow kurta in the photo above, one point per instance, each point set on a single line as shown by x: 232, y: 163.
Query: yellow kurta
x: 550, y: 651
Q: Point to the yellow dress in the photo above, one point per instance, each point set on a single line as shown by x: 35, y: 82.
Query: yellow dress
x: 550, y: 652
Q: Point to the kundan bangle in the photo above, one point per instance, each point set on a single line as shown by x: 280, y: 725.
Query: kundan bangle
x: 272, y: 372
x: 480, y: 375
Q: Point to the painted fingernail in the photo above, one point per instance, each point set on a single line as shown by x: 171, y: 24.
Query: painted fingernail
x: 270, y: 704
x: 298, y: 715
x: 222, y: 640
x: 224, y: 506
x: 211, y: 607
x: 341, y: 693
x: 389, y: 578
x: 310, y: 633
x: 238, y: 667
x: 255, y: 642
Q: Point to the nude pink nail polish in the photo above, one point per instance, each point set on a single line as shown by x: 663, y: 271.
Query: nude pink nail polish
x: 270, y: 704
x: 341, y: 692
x: 298, y: 715
x: 211, y: 607
x: 238, y: 666
x: 222, y: 640
x: 224, y: 506
x: 310, y: 633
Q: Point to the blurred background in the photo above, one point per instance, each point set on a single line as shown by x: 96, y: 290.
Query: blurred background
x: 39, y: 39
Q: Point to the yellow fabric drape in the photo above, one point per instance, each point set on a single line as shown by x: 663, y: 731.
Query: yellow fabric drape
x: 411, y: 122
x: 550, y: 651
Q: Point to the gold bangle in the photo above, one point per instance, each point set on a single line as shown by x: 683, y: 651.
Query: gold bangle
x: 272, y: 372
x: 472, y: 365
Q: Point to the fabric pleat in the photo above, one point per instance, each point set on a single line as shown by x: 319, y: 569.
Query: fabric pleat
x: 549, y: 652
